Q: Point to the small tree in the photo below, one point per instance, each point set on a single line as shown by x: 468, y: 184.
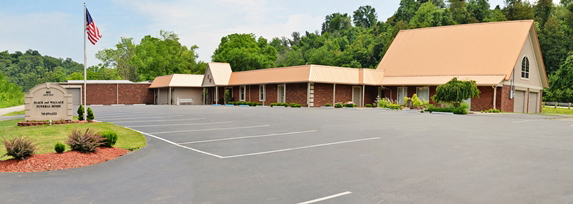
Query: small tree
x: 455, y: 92
x: 81, y: 112
x: 90, y: 115
x: 227, y: 96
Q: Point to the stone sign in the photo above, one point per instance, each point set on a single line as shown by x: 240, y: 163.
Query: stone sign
x: 48, y: 102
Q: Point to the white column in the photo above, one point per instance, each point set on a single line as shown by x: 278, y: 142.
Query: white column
x: 333, y: 94
x: 494, y: 96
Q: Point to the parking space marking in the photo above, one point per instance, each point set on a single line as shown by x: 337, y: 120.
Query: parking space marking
x: 297, y: 148
x: 197, y: 130
x: 173, y: 143
x: 523, y: 121
x: 326, y: 198
x: 183, y: 124
x: 161, y: 116
x: 248, y: 137
x: 138, y: 121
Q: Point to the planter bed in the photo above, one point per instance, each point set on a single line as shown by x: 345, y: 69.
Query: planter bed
x: 66, y: 160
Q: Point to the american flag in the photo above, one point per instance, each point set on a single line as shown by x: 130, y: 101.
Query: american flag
x: 93, y: 31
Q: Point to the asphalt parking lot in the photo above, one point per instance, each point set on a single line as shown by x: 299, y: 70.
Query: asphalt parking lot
x: 205, y: 154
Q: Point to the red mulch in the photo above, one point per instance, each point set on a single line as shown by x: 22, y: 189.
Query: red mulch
x: 67, y: 160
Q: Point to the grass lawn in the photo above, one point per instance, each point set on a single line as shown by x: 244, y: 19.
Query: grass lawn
x: 15, y: 113
x: 553, y: 110
x: 47, y: 136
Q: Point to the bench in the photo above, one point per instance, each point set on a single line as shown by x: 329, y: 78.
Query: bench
x: 184, y: 100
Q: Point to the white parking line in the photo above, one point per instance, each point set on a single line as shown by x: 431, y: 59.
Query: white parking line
x: 523, y: 121
x: 173, y: 143
x: 137, y: 117
x: 326, y: 198
x: 297, y: 148
x: 197, y: 130
x: 183, y: 124
x: 247, y: 137
x: 133, y: 121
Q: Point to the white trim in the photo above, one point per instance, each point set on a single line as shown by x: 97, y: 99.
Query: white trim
x: 523, y: 85
x: 264, y: 92
x: 423, y: 87
x: 284, y: 93
x: 528, y: 67
x: 243, y: 96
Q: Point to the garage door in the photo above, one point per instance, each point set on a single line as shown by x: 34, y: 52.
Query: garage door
x: 76, y: 96
x: 533, y: 102
x: 519, y: 102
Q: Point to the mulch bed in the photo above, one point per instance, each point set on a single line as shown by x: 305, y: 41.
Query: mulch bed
x: 56, y: 122
x: 54, y: 161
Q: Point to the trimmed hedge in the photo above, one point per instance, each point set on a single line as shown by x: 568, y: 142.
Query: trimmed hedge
x: 328, y: 105
x: 338, y: 105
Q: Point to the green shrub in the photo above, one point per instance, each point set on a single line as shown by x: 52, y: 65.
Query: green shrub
x: 231, y: 103
x: 394, y: 106
x: 463, y: 109
x: 273, y: 104
x: 284, y: 104
x: 406, y: 99
x: 417, y: 102
x: 328, y: 105
x: 227, y: 96
x: 60, y: 148
x: 86, y: 141
x: 259, y: 103
x: 291, y: 104
x: 81, y: 113
x: 432, y: 108
x: 90, y: 116
x: 492, y: 110
x: 368, y: 105
x: 19, y: 147
x: 383, y: 103
x: 295, y: 105
x: 338, y: 105
x: 350, y: 105
x: 110, y: 138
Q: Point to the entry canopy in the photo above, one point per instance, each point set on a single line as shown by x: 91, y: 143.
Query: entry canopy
x: 178, y: 80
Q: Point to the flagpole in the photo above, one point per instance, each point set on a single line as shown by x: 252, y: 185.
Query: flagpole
x: 85, y: 60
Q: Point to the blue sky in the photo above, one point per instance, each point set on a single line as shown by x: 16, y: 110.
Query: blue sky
x: 55, y: 27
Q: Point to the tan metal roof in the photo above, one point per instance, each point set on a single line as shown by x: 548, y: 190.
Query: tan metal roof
x: 334, y: 75
x: 439, y: 80
x: 470, y: 49
x: 221, y: 72
x: 271, y: 75
x: 178, y: 80
x: 372, y: 77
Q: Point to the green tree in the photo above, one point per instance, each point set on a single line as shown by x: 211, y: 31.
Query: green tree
x: 518, y: 10
x: 163, y: 56
x: 561, y: 90
x: 455, y: 92
x: 551, y: 40
x: 119, y: 58
x: 543, y: 10
x: 425, y: 16
x: 243, y: 52
x: 365, y: 16
x: 336, y: 22
x: 479, y: 9
x: 459, y: 11
x: 406, y: 10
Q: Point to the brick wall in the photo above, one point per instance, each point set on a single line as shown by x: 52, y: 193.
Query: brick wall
x: 506, y: 103
x: 296, y: 93
x: 343, y: 93
x: 370, y: 94
x: 322, y: 94
x: 134, y: 94
x: 106, y: 94
x: 271, y: 93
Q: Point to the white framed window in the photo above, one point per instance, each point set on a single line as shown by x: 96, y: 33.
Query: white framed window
x: 281, y: 93
x: 242, y: 90
x: 402, y: 92
x: 262, y: 92
x: 423, y: 93
x: 525, y: 68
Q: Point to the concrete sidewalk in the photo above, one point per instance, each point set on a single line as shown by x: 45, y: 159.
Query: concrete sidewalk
x: 11, y: 109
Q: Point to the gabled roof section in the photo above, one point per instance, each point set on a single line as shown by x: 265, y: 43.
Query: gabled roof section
x: 334, y: 75
x: 217, y: 74
x: 271, y: 75
x: 481, y: 49
x: 178, y: 80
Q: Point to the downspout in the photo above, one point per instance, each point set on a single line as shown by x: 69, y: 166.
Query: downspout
x: 363, y: 94
x: 334, y: 95
x: 494, y: 96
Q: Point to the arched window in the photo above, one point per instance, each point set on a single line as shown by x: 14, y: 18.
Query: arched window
x: 525, y: 68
